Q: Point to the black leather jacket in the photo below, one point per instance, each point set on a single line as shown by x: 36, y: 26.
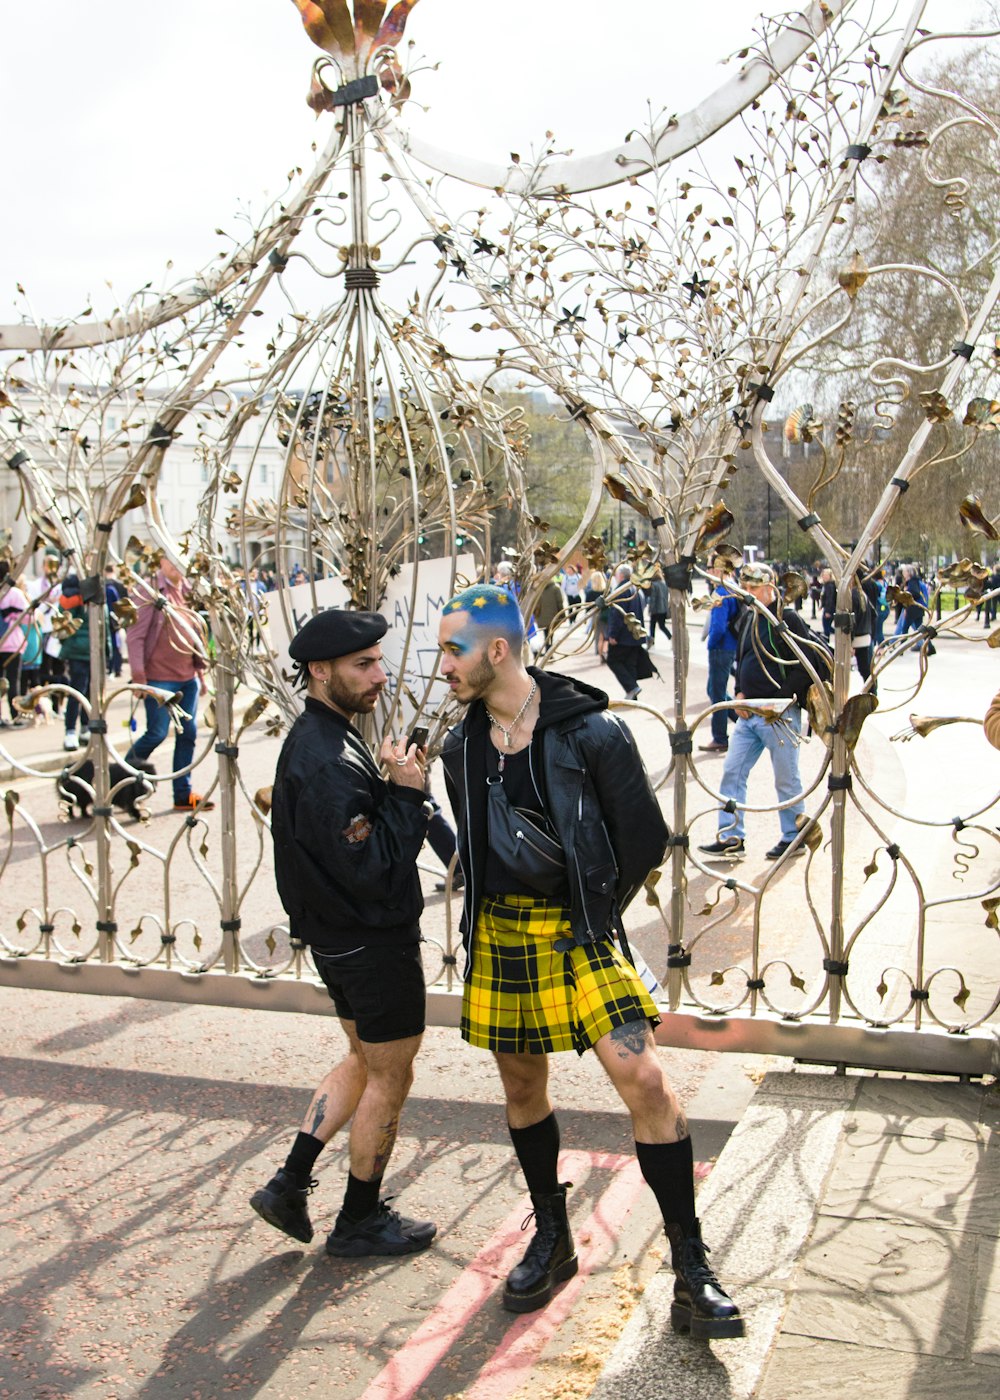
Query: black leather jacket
x: 597, y: 796
x: 345, y: 841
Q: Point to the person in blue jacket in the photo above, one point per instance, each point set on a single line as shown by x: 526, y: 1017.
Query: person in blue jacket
x: 722, y: 637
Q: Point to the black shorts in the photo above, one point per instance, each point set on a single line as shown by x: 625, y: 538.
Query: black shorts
x: 380, y: 989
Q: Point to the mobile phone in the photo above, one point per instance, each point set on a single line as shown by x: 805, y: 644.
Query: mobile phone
x: 418, y: 736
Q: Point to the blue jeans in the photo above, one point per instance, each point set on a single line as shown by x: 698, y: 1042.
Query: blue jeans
x: 749, y: 739
x: 79, y: 679
x: 720, y: 665
x: 158, y: 726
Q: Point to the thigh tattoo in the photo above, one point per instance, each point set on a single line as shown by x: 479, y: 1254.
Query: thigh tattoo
x: 631, y: 1038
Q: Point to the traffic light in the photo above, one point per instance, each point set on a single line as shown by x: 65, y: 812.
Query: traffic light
x: 630, y: 537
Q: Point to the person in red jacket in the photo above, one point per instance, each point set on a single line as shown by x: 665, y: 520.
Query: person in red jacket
x: 167, y: 650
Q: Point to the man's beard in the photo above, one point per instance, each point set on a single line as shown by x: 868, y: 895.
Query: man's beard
x: 480, y: 680
x: 350, y: 701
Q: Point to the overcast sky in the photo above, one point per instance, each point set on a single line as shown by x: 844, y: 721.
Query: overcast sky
x: 132, y: 130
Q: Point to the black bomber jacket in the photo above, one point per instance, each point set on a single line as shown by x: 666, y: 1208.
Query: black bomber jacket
x: 345, y: 841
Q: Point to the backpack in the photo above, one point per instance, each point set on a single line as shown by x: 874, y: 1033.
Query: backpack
x: 736, y: 618
x: 819, y: 653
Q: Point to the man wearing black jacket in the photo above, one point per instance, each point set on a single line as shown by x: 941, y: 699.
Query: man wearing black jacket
x: 558, y: 828
x: 345, y: 852
x: 767, y: 669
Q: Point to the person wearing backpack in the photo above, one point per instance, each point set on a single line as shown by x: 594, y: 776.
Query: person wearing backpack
x: 13, y: 618
x: 767, y: 668
x: 723, y: 630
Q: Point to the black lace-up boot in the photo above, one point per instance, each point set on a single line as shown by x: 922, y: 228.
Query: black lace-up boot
x: 700, y: 1306
x: 549, y: 1259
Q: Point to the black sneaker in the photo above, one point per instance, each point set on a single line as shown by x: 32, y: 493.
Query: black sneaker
x: 725, y: 848
x: 776, y: 852
x: 282, y: 1203
x: 385, y: 1231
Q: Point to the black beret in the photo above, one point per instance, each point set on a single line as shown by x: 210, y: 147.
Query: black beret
x: 336, y: 633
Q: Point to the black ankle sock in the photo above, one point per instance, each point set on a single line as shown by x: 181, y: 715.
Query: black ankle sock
x: 668, y: 1168
x: 360, y: 1198
x: 302, y: 1158
x: 537, y: 1149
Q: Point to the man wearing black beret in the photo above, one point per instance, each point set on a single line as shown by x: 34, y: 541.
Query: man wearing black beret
x: 345, y: 852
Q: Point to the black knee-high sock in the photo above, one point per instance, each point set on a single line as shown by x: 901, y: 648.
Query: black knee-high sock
x: 302, y: 1158
x: 668, y: 1168
x: 537, y: 1149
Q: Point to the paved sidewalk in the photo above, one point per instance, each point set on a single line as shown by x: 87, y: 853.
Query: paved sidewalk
x: 857, y: 1220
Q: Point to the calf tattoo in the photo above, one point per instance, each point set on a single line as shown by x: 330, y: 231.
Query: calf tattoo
x: 383, y: 1148
x: 631, y: 1038
x: 319, y: 1113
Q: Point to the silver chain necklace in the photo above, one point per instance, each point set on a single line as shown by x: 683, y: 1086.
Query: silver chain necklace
x: 508, y: 730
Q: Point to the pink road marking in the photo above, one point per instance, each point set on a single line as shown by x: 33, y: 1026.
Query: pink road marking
x: 402, y: 1377
x: 509, y: 1366
x: 513, y: 1359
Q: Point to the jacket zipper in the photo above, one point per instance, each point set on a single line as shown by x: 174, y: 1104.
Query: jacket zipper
x: 470, y: 884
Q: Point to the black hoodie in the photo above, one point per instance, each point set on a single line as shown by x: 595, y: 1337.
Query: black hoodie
x: 596, y: 792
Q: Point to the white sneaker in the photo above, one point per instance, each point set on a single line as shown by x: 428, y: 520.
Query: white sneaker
x: 71, y: 741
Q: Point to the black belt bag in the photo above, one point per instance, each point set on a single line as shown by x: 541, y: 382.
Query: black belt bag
x: 526, y: 844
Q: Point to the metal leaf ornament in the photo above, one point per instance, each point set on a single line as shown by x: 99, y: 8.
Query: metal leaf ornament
x: 983, y: 414
x: 727, y: 558
x: 935, y: 406
x: 978, y: 577
x: 854, y: 276
x: 716, y: 526
x: 922, y: 725
x: 793, y: 586
x: 853, y: 715
x: 971, y: 515
x: 622, y: 490
x: 818, y: 712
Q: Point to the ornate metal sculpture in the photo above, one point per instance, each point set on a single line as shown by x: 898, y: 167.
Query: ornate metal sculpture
x: 666, y: 319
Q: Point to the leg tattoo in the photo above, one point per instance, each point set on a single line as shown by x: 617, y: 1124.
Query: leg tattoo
x: 383, y: 1148
x: 319, y: 1113
x: 630, y: 1039
x: 681, y: 1127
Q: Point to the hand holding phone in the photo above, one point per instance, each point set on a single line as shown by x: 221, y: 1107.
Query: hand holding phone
x: 418, y: 736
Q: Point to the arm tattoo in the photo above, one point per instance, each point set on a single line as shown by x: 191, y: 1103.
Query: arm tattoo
x: 319, y: 1113
x: 632, y: 1038
x: 383, y: 1148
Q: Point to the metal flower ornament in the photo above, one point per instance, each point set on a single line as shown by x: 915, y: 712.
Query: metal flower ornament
x: 359, y: 42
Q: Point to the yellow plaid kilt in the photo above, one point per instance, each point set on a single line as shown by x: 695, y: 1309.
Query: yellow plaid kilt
x: 524, y: 997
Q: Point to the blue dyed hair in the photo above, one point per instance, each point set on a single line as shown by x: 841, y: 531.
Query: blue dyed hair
x: 490, y: 609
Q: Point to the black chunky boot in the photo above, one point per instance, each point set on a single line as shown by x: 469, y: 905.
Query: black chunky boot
x: 700, y: 1306
x: 549, y: 1259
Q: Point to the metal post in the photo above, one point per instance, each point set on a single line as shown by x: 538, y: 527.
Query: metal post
x: 98, y: 719
x: 225, y: 747
x: 678, y: 882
